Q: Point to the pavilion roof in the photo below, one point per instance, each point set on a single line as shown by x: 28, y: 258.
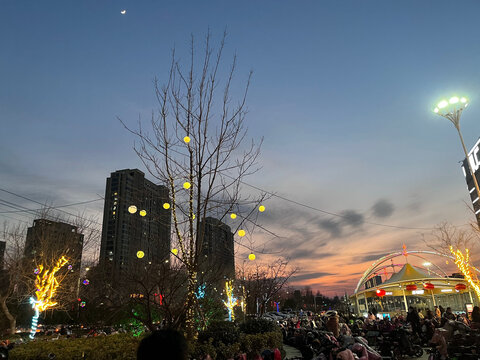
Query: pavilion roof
x: 408, y: 272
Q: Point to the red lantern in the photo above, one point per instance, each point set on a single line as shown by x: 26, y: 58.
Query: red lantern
x: 411, y: 287
x: 460, y: 287
x: 380, y: 292
x: 428, y: 286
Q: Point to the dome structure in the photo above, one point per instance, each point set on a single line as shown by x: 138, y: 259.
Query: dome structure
x: 390, y: 287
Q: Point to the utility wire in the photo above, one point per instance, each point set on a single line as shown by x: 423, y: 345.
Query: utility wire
x: 51, y: 207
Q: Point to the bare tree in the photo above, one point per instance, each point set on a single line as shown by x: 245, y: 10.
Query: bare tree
x: 12, y: 276
x: 194, y: 145
x: 446, y: 235
x: 264, y: 282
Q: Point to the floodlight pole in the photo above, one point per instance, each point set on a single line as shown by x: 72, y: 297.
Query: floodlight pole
x: 454, y: 117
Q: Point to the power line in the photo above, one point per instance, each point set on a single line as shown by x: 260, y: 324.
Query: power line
x: 63, y: 211
x: 51, y: 207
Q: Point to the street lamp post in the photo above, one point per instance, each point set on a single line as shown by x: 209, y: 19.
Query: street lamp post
x: 452, y: 109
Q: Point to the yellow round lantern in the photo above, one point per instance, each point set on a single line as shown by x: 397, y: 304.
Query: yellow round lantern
x: 175, y: 251
x: 241, y: 232
x: 251, y: 257
x: 142, y: 213
x: 186, y: 185
x: 140, y: 254
x: 261, y: 208
x: 233, y: 216
x: 166, y: 206
x: 186, y: 139
x: 132, y: 209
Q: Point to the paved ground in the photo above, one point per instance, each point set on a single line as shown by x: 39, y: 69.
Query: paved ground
x: 291, y: 352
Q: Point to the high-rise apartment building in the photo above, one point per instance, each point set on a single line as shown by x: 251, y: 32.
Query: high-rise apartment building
x: 473, y: 162
x: 145, y: 231
x: 47, y: 241
x: 216, y: 255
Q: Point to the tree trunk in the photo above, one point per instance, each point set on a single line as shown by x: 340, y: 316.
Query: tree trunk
x: 11, y: 319
x: 190, y: 306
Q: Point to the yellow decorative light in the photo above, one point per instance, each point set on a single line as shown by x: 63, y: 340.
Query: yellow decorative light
x: 463, y: 264
x: 186, y: 185
x: 166, y: 206
x: 47, y: 285
x: 251, y: 257
x: 142, y: 213
x: 140, y: 254
x: 233, y: 215
x: 175, y: 251
x: 132, y: 209
x: 241, y: 232
x: 186, y: 139
x: 261, y: 208
x: 463, y: 100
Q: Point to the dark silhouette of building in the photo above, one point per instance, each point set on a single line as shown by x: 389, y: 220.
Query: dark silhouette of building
x: 125, y: 234
x: 47, y: 241
x: 3, y: 245
x: 216, y: 251
x: 473, y: 162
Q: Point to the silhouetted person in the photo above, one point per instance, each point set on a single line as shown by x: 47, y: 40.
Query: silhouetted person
x: 163, y: 344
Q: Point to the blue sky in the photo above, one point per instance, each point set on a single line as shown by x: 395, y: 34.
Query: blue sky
x: 342, y: 93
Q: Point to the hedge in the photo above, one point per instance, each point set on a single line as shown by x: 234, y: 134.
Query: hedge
x: 124, y: 346
x: 113, y: 347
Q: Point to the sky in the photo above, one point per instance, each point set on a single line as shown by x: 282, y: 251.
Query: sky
x: 342, y: 93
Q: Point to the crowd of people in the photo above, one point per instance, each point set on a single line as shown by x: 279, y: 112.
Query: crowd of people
x: 332, y: 335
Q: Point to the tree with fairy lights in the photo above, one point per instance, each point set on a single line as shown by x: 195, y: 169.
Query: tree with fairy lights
x: 195, y: 145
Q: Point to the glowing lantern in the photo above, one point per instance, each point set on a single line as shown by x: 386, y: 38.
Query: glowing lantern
x: 428, y: 286
x: 70, y: 267
x: 411, y: 287
x: 233, y: 216
x: 140, y: 254
x: 86, y: 282
x: 460, y: 287
x: 142, y: 213
x: 82, y: 304
x: 166, y: 206
x: 132, y: 209
x: 380, y: 292
x: 241, y: 233
x: 186, y: 139
x: 251, y: 257
x: 261, y: 208
x: 186, y: 185
x: 175, y: 251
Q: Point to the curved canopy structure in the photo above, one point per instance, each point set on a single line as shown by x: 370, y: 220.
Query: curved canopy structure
x: 410, y: 285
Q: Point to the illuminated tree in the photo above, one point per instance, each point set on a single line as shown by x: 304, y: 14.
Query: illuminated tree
x: 463, y: 263
x: 17, y: 279
x: 195, y: 145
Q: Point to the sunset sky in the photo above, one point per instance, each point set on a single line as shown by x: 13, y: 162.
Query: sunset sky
x: 342, y: 93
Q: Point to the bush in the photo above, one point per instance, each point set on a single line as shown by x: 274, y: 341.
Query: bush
x: 113, y: 347
x: 256, y: 343
x: 258, y: 326
x: 224, y: 332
